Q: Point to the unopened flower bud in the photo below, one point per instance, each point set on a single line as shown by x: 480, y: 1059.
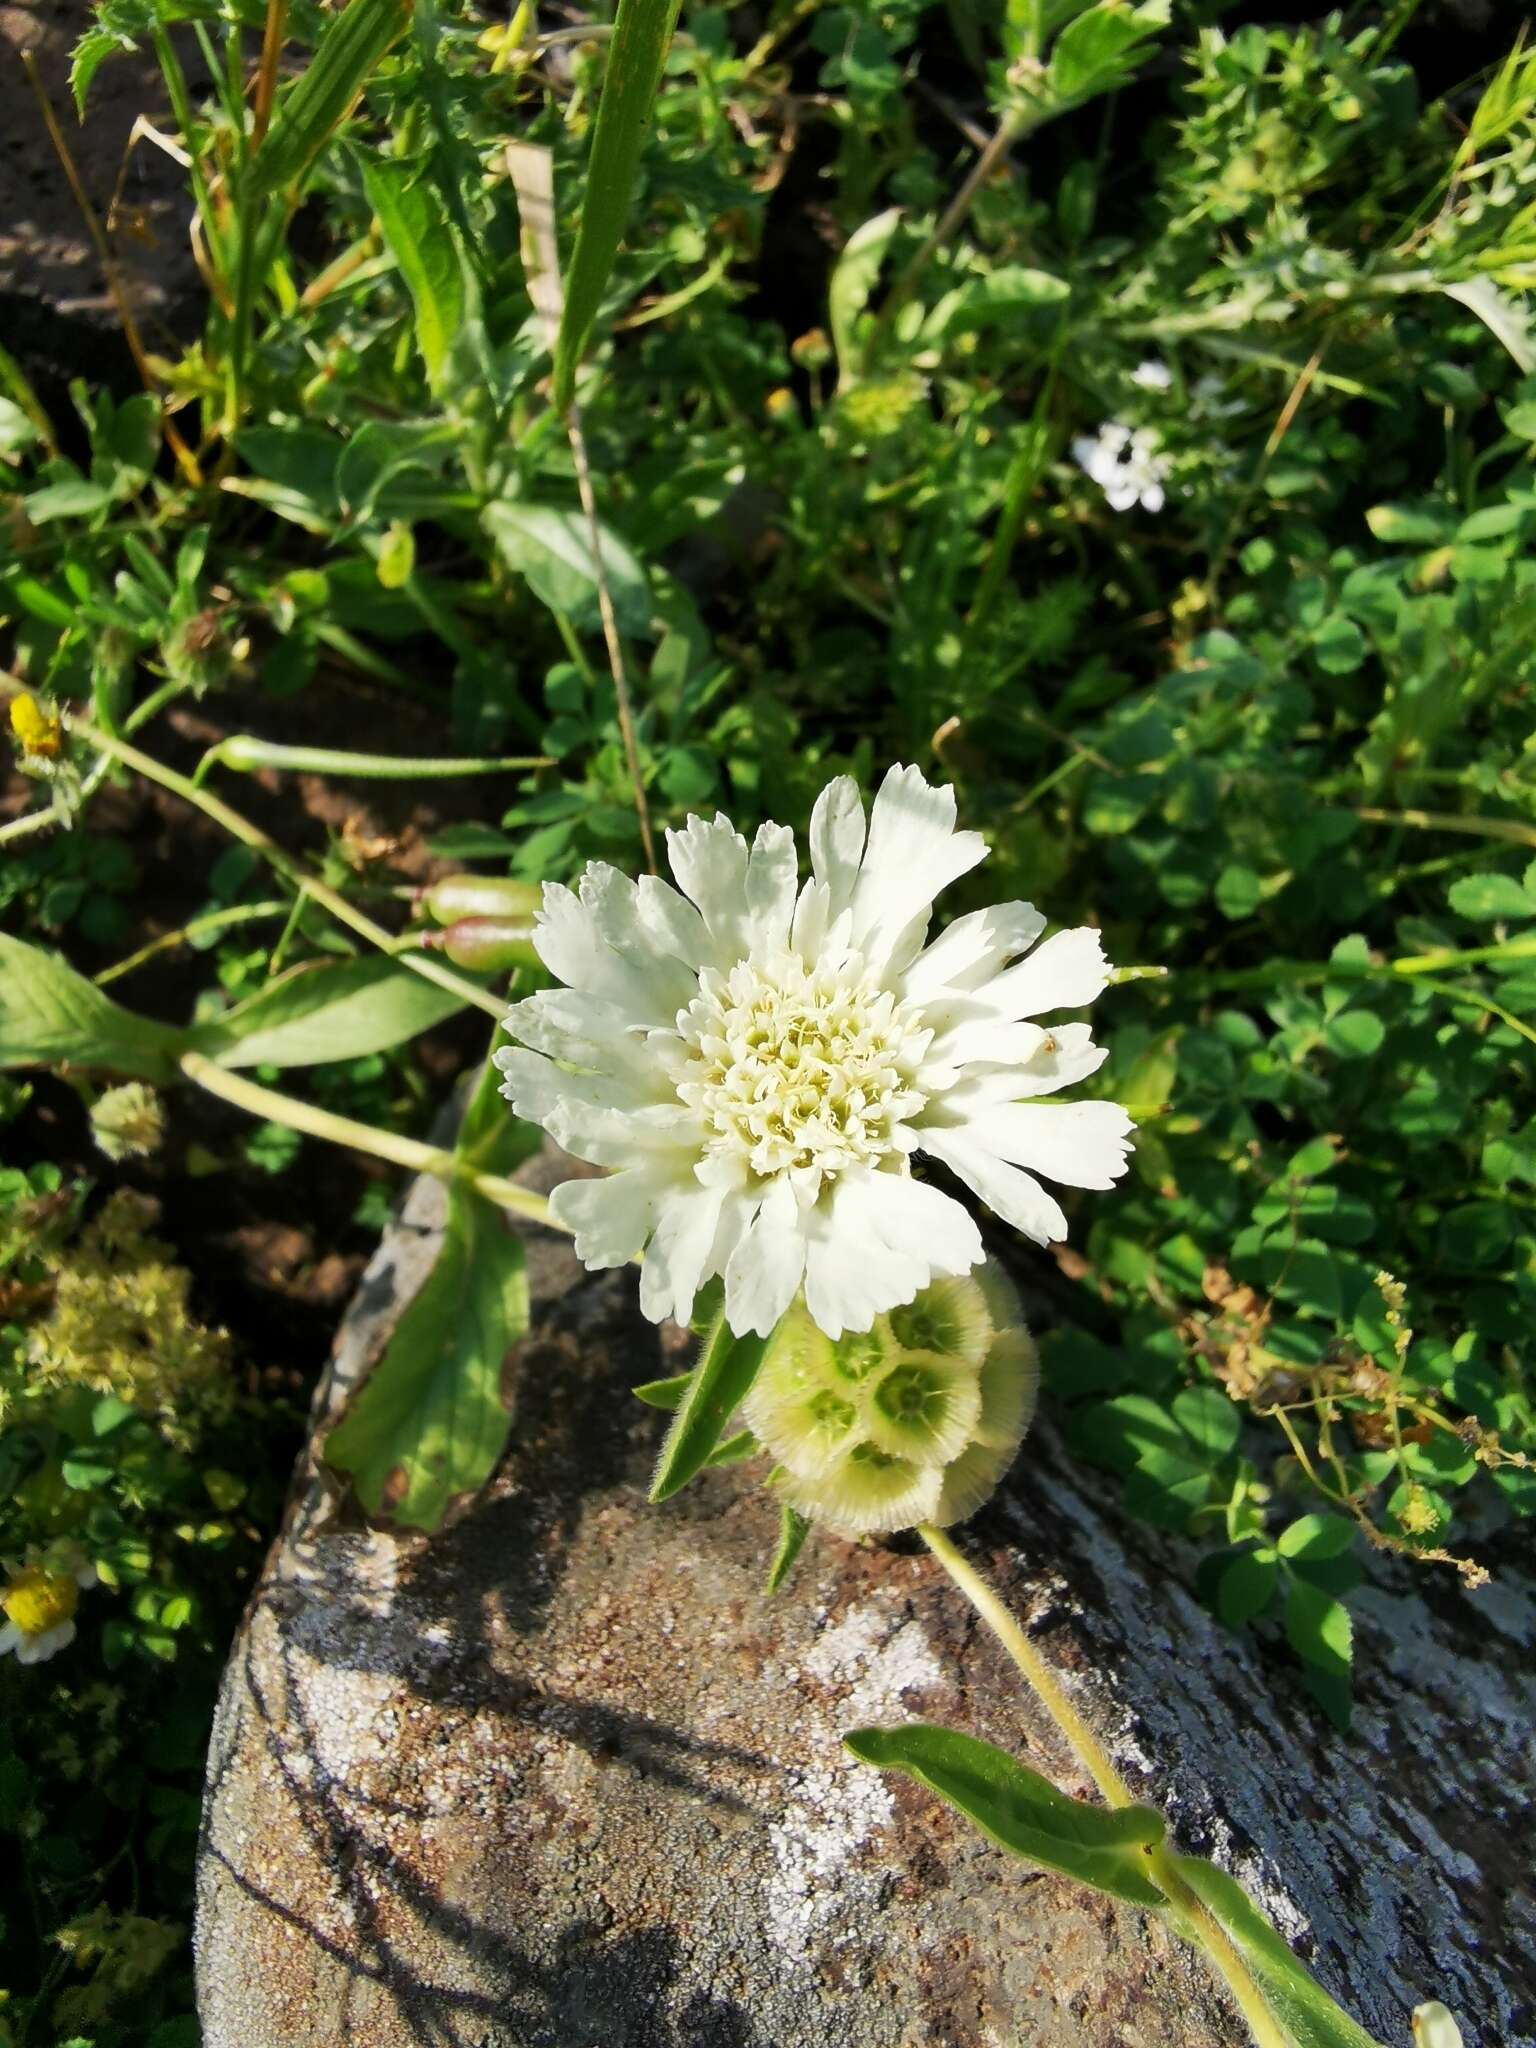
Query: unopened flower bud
x: 486, y: 945
x: 38, y: 732
x: 812, y: 351
x: 460, y: 896
x: 129, y: 1121
x: 781, y: 406
x: 915, y: 1420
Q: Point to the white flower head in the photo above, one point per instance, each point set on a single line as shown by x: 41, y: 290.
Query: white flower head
x: 762, y: 1061
x: 1152, y: 375
x: 1126, y: 463
x: 39, y: 1603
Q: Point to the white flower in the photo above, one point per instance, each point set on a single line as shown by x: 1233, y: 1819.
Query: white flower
x: 1152, y: 375
x: 39, y: 1605
x: 761, y: 1062
x: 1126, y: 465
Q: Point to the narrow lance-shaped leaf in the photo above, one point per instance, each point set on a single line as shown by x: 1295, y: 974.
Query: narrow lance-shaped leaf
x: 1300, y: 2005
x: 1021, y: 1811
x: 430, y: 1420
x: 641, y: 35
x: 329, y: 88
x: 418, y: 235
x: 793, y: 1530
x: 340, y: 1011
x: 50, y: 1016
x: 717, y: 1387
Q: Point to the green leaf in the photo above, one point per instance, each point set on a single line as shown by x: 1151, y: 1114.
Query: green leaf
x: 717, y: 1386
x: 1094, y: 52
x: 418, y: 235
x: 553, y: 550
x: 1316, y: 1536
x: 1246, y: 1587
x: 1354, y: 1034
x: 75, y: 498
x: 1409, y: 525
x: 431, y: 1419
x: 1299, y: 2003
x: 1210, y: 1418
x: 1319, y: 1631
x: 51, y: 1016
x: 641, y: 36
x: 1504, y: 318
x: 311, y: 111
x: 1484, y: 898
x: 667, y: 1393
x: 793, y: 1530
x: 1020, y: 1810
x: 335, y: 1011
x: 853, y: 279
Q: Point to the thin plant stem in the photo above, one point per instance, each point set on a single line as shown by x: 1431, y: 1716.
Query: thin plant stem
x: 611, y: 635
x: 266, y: 76
x: 199, y: 927
x: 314, y: 1122
x: 1011, y: 129
x: 1038, y: 1675
x: 1452, y: 821
x: 291, y: 870
x: 249, y: 755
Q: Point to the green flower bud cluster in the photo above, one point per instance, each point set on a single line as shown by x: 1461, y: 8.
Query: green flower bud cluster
x: 915, y: 1420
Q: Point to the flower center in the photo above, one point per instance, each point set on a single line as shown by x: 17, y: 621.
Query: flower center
x: 797, y: 1069
x: 37, y: 1601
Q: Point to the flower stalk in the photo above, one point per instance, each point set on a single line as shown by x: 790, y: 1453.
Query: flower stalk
x: 1194, y: 1921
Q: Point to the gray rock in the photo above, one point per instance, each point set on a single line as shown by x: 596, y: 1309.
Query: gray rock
x: 561, y: 1777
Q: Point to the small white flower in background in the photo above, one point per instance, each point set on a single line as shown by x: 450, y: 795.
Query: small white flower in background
x: 1152, y: 375
x: 762, y: 1060
x: 1126, y: 464
x: 39, y: 1603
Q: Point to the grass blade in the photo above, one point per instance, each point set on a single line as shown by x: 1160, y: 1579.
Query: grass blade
x: 327, y: 92
x: 642, y: 34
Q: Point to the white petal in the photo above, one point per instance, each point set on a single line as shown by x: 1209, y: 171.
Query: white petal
x: 582, y: 1030
x: 1152, y: 498
x: 1022, y: 1060
x: 677, y: 1254
x: 851, y: 1276
x: 973, y: 948
x: 837, y: 841
x: 812, y: 916
x: 613, y: 901
x: 1081, y: 1144
x: 764, y: 1273
x: 11, y: 1639
x: 772, y: 873
x: 672, y: 924
x: 876, y: 1241
x: 611, y: 1216
x: 914, y: 852
x: 1066, y: 973
x: 1015, y: 1198
x: 604, y: 1119
x: 570, y: 944
x: 710, y: 863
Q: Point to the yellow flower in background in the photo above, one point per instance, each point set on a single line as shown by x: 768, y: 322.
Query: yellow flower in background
x: 39, y: 1606
x: 38, y: 732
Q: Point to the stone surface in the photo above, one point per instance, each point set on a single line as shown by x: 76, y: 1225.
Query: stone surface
x: 561, y: 1777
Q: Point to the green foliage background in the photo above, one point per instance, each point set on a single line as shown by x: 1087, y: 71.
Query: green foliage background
x: 1273, y: 736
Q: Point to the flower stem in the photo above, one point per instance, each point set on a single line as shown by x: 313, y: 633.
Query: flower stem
x: 315, y: 1122
x: 291, y: 870
x: 1193, y: 1919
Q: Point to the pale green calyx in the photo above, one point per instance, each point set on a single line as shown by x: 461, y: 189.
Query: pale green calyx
x: 915, y: 1420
